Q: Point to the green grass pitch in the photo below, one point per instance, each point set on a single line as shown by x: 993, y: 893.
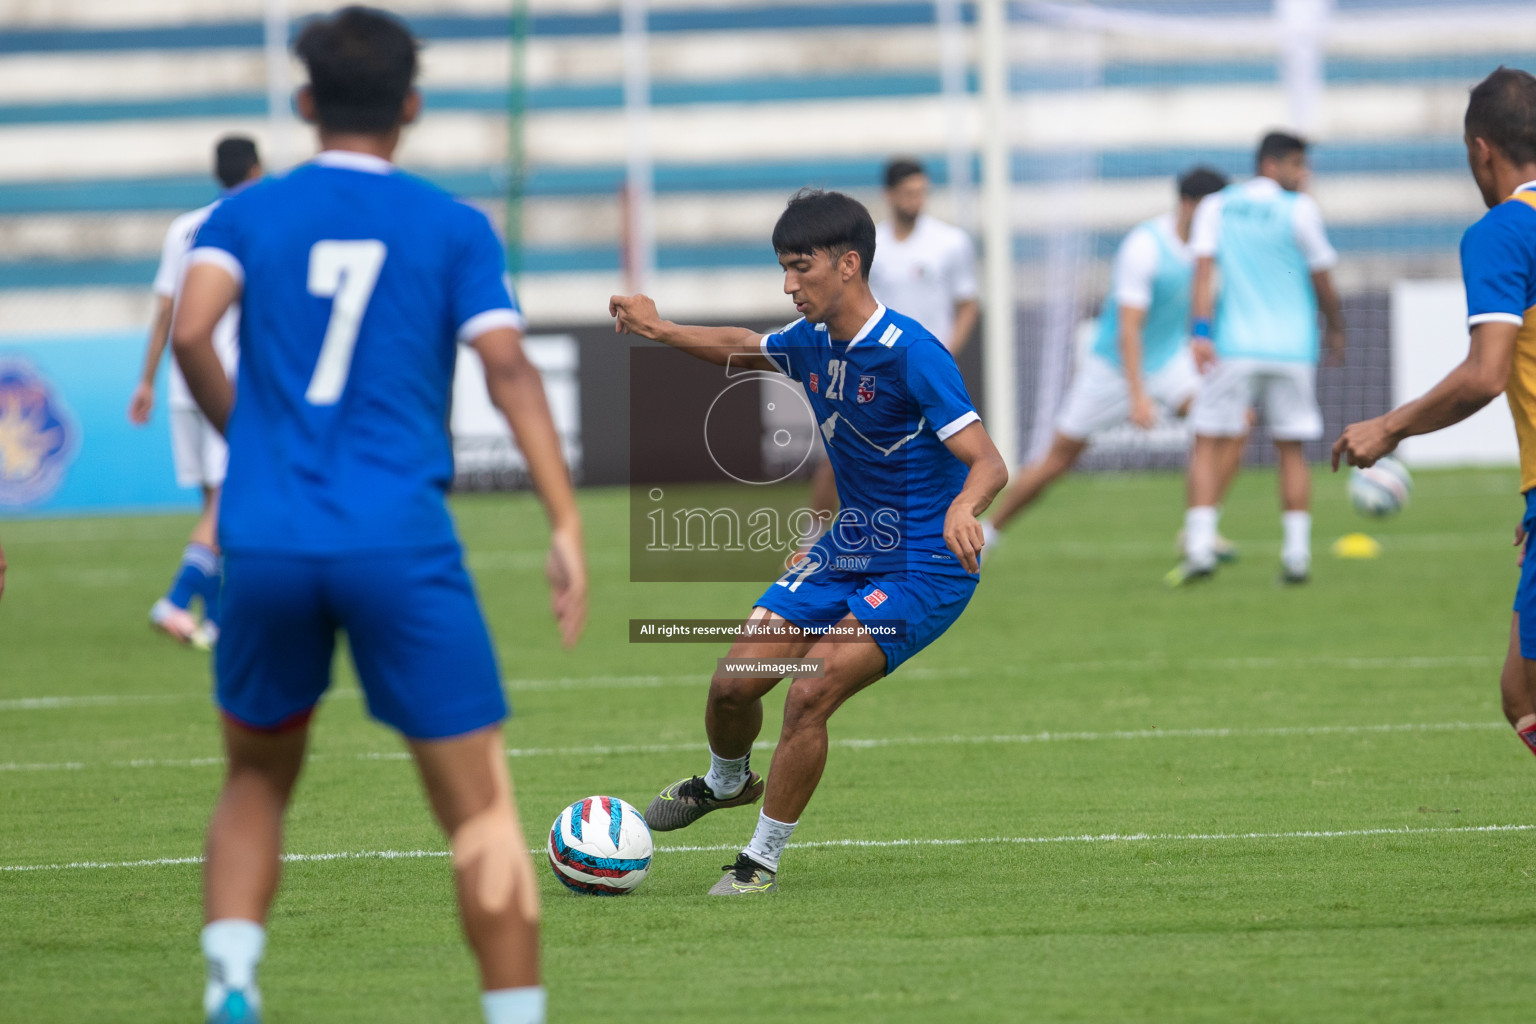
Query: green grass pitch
x: 1299, y: 780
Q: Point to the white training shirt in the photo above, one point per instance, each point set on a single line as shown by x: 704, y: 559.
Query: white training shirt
x: 1140, y: 258
x: 173, y: 267
x: 1306, y: 224
x: 925, y: 275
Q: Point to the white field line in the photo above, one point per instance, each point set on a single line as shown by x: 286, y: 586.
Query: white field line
x: 846, y: 744
x: 879, y: 844
x: 700, y: 679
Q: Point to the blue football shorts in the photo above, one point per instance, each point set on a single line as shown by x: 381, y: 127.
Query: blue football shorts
x: 915, y: 607
x: 1525, y: 594
x: 418, y: 640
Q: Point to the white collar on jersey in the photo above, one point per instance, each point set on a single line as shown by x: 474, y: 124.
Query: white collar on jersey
x: 349, y: 160
x: 1528, y: 186
x: 869, y: 324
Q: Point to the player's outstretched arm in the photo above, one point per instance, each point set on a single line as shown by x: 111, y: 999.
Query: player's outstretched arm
x: 1478, y: 380
x: 143, y: 401
x: 723, y: 346
x: 517, y: 390
x: 988, y: 473
x: 206, y: 295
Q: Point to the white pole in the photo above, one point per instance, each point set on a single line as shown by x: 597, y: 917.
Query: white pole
x: 279, y: 91
x: 999, y: 358
x: 1302, y: 27
x: 952, y: 78
x: 639, y: 185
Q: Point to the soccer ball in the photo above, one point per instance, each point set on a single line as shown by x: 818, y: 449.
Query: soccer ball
x: 600, y: 846
x: 1382, y: 489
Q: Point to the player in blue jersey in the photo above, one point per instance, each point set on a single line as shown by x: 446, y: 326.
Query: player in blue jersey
x: 197, y: 449
x: 1498, y: 264
x: 1258, y: 347
x: 914, y: 468
x: 356, y: 285
x: 1140, y: 360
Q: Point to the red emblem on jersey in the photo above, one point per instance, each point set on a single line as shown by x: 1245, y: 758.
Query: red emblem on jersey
x: 815, y: 384
x: 866, y: 388
x: 875, y: 598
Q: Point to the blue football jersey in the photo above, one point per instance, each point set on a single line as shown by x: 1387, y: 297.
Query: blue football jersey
x: 357, y: 283
x: 1498, y: 264
x: 884, y: 402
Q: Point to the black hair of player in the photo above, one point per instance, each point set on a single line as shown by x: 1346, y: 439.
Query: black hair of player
x: 233, y: 159
x: 900, y: 169
x: 817, y: 221
x: 1199, y: 182
x: 1278, y: 146
x: 1502, y: 112
x: 362, y: 63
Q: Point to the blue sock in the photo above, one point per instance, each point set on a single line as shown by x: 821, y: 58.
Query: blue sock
x: 197, y: 564
x: 210, y: 591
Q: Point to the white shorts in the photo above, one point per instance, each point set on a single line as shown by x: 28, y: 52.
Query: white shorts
x: 1099, y: 398
x: 1285, y: 394
x: 198, y: 450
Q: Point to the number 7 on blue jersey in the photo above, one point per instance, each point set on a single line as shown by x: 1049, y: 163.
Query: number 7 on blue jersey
x: 345, y: 272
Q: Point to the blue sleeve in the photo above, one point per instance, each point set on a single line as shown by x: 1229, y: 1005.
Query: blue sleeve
x: 480, y: 292
x: 934, y: 382
x: 222, y: 231
x: 1496, y: 266
x: 785, y: 350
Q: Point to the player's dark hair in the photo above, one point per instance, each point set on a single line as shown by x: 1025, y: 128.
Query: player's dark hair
x: 1502, y: 112
x: 362, y: 63
x: 1199, y: 182
x: 1278, y: 146
x: 817, y: 220
x: 900, y: 169
x: 233, y: 159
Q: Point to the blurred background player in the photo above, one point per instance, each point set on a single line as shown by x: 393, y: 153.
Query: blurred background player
x: 1266, y: 238
x: 1498, y: 260
x: 197, y: 448
x: 923, y: 268
x: 914, y: 466
x: 1140, y: 359
x: 358, y: 283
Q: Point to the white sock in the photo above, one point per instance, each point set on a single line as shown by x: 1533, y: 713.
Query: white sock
x: 233, y: 948
x: 989, y: 534
x: 1200, y: 536
x: 726, y: 776
x: 514, y: 1005
x: 1297, y: 551
x: 769, y: 840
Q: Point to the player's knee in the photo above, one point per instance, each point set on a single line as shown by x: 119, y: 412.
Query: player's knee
x: 495, y: 869
x: 809, y: 702
x: 735, y: 693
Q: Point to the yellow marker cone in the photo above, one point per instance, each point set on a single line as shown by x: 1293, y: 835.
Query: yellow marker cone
x: 1356, y: 545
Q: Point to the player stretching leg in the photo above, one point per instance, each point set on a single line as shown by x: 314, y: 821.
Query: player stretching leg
x: 1267, y: 239
x: 197, y: 448
x: 358, y: 283
x: 914, y: 467
x: 1140, y: 358
x: 1498, y: 264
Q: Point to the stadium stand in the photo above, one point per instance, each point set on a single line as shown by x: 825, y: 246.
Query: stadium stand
x: 107, y: 118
